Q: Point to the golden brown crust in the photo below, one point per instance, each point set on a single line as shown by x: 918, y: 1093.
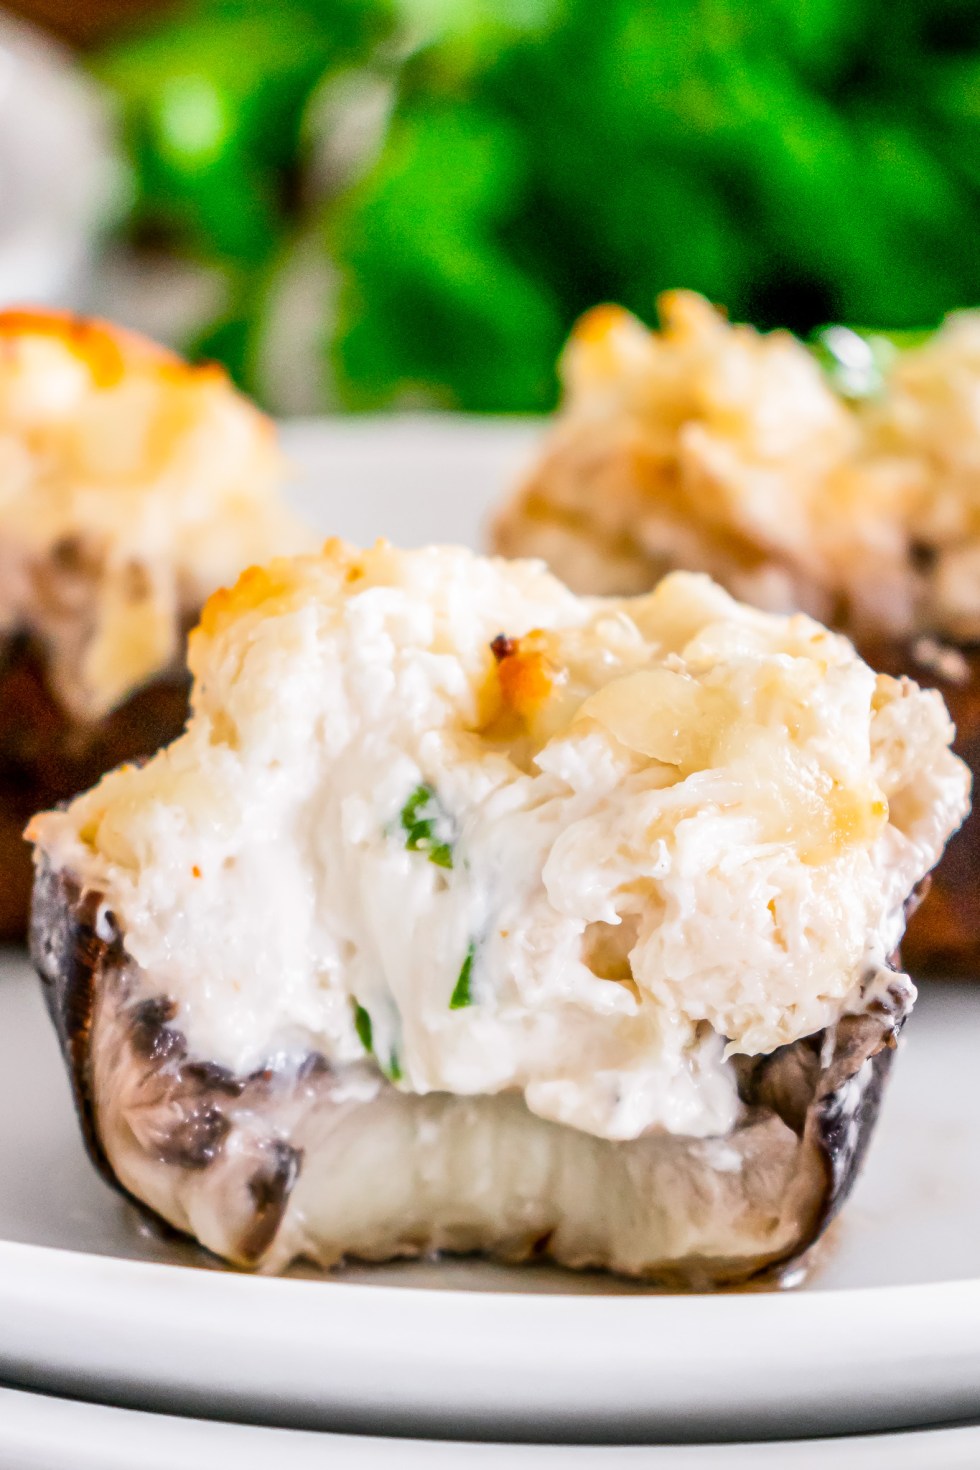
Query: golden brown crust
x: 108, y: 351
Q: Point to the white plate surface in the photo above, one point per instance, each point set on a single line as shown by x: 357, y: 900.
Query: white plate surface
x: 42, y: 1433
x: 885, y: 1334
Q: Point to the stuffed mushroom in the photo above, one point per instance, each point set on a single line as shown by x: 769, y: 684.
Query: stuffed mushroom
x: 131, y: 486
x: 853, y: 495
x: 471, y: 915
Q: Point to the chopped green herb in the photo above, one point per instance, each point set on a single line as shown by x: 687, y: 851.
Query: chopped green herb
x: 461, y: 996
x: 362, y: 1025
x: 420, y: 816
x: 394, y: 1072
x: 365, y: 1032
x: 415, y: 806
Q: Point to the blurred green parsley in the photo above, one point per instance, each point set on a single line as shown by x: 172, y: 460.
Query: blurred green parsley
x: 471, y: 174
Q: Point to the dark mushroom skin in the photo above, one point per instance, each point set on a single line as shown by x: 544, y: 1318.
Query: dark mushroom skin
x: 260, y: 1169
x: 47, y: 756
x: 943, y: 937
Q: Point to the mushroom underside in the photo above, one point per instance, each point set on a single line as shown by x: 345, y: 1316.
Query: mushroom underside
x: 308, y: 1162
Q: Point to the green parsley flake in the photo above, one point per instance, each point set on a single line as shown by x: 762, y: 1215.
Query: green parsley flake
x: 420, y: 816
x: 362, y: 1025
x: 394, y: 1072
x: 462, y: 996
x: 365, y: 1032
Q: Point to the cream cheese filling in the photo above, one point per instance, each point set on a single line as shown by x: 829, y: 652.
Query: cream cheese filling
x: 589, y: 860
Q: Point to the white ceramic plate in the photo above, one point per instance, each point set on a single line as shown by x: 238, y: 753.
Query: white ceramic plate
x: 886, y: 1334
x: 57, y: 173
x: 42, y: 1433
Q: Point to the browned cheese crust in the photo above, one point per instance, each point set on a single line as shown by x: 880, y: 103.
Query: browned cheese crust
x: 229, y: 1147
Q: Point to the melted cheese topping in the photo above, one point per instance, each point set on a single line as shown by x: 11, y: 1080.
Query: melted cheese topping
x: 131, y: 485
x: 713, y: 447
x: 506, y: 838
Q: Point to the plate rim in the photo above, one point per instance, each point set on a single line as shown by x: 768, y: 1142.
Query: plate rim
x: 507, y: 1366
x: 54, y: 1422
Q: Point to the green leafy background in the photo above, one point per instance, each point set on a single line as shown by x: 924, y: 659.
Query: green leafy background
x: 797, y: 160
